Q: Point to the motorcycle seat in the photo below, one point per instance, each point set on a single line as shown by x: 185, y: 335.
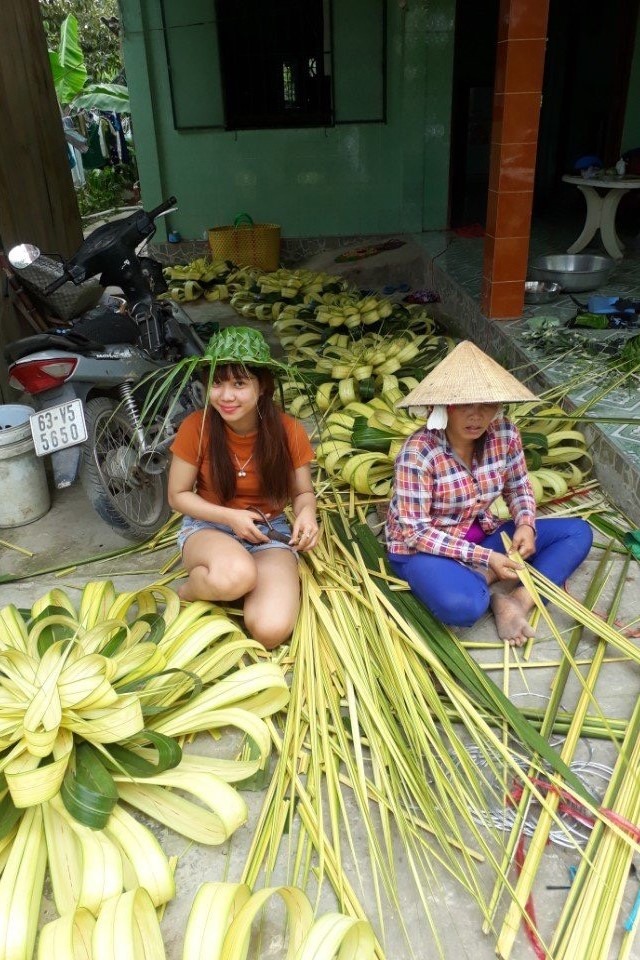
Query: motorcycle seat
x: 74, y: 343
x: 106, y: 326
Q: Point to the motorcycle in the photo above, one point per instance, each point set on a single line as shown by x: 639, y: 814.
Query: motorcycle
x: 91, y: 380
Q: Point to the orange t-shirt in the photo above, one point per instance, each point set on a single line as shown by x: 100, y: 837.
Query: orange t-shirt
x: 192, y: 445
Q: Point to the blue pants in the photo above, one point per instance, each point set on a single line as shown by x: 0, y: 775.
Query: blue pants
x: 459, y: 595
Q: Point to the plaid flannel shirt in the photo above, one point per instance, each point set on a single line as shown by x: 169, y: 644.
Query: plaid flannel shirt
x: 437, y: 497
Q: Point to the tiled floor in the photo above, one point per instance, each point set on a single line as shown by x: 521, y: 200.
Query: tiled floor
x: 562, y: 353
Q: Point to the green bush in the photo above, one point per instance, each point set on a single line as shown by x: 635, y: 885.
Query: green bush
x: 104, y: 188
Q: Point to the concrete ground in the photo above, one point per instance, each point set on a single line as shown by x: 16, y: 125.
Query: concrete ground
x: 71, y: 531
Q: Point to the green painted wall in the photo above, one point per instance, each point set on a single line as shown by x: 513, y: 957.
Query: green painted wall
x: 352, y: 178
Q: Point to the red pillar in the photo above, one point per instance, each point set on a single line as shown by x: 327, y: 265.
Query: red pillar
x: 516, y: 111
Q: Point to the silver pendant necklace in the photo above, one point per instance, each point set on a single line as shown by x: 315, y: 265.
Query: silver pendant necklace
x: 241, y: 469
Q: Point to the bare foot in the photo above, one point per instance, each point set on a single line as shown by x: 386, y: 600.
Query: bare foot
x: 510, y: 610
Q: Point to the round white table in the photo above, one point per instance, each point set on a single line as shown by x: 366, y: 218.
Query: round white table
x: 601, y: 210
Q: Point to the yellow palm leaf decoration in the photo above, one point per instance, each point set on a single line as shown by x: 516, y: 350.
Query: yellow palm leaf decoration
x: 92, y: 700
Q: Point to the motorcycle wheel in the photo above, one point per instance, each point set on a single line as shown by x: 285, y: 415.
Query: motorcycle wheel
x: 127, y: 498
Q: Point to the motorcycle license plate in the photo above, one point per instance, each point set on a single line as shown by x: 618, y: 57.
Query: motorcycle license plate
x: 58, y: 427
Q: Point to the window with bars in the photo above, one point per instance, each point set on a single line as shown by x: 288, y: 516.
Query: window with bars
x: 275, y: 63
x: 242, y: 64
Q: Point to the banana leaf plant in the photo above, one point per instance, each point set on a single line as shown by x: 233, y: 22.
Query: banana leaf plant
x: 70, y: 77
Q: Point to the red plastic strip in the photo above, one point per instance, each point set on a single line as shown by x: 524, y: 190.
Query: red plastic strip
x: 570, y: 804
x: 622, y: 822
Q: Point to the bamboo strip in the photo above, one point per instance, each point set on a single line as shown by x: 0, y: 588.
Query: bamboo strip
x: 548, y: 722
x: 13, y: 546
x: 598, y: 892
x: 545, y: 821
x: 548, y: 664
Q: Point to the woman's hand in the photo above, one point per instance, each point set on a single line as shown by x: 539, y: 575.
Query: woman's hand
x: 503, y: 567
x: 524, y: 541
x: 243, y: 524
x: 304, y: 535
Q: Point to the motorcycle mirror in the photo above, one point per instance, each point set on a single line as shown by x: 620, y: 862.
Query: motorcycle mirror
x: 23, y: 255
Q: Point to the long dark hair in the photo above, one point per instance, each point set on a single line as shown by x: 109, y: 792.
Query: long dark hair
x: 271, y: 452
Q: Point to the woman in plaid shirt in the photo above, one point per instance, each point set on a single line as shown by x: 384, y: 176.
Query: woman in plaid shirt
x: 441, y: 535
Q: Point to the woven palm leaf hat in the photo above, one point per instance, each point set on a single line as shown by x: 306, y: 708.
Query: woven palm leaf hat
x: 245, y: 346
x: 241, y: 345
x: 466, y: 375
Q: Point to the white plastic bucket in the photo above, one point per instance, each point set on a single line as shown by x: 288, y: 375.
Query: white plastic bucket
x: 23, y: 481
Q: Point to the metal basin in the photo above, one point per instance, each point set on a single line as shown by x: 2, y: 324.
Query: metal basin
x: 540, y: 291
x: 573, y: 271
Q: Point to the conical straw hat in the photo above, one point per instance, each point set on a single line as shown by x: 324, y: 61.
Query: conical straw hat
x: 467, y: 375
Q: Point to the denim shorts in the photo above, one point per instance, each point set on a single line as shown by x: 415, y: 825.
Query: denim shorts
x: 280, y: 523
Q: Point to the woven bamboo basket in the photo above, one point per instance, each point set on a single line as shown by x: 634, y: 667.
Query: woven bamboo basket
x: 246, y: 243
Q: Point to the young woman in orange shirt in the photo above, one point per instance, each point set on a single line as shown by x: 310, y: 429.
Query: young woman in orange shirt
x: 235, y: 466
